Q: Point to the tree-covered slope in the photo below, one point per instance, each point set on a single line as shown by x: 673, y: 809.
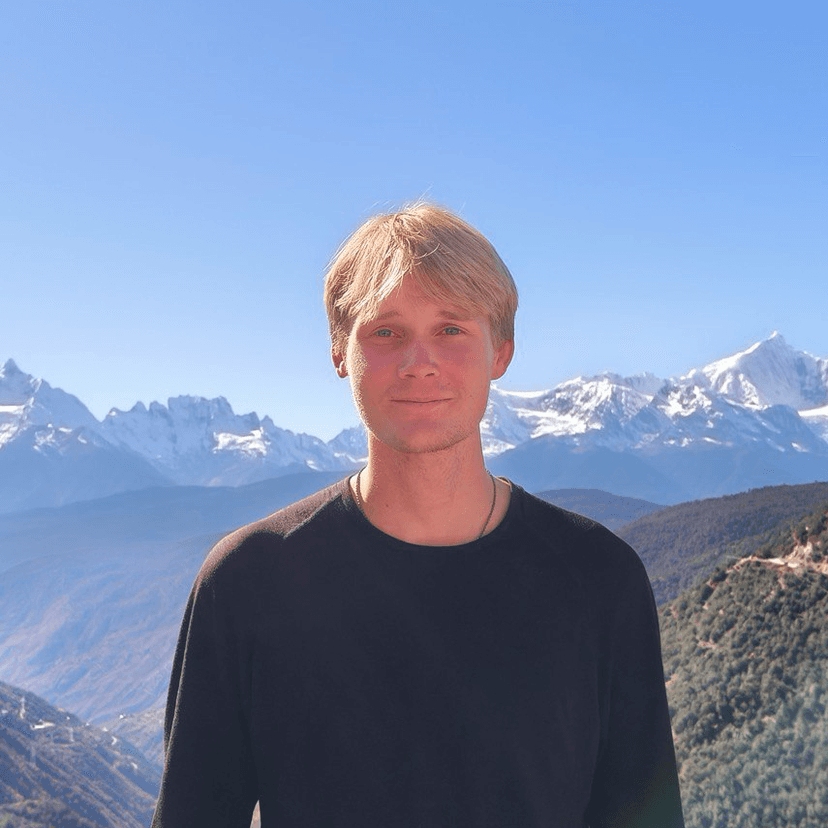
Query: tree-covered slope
x: 746, y: 660
x: 682, y: 544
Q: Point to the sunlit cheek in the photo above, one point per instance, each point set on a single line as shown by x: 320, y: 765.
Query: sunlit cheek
x: 354, y: 363
x: 461, y: 357
x: 455, y: 356
x: 367, y: 364
x: 379, y: 360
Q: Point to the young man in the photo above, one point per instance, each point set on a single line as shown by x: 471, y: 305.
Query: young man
x: 421, y: 645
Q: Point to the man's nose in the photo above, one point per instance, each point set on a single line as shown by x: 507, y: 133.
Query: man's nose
x: 418, y: 360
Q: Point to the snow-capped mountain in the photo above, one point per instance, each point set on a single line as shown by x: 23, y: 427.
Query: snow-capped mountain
x: 351, y: 444
x: 740, y: 422
x: 756, y: 418
x: 193, y: 440
x: 733, y: 401
x: 26, y: 403
x: 575, y: 407
x: 769, y: 373
x: 52, y: 451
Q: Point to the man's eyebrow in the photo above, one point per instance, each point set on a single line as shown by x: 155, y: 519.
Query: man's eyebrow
x: 445, y: 313
x: 455, y: 313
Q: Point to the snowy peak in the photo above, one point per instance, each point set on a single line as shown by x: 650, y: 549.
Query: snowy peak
x: 350, y: 443
x: 16, y: 388
x: 770, y: 372
x: 203, y: 441
x: 604, y: 397
x: 767, y: 398
x: 27, y: 402
x: 686, y: 415
x: 9, y: 369
x: 731, y: 402
x: 186, y: 425
x: 575, y: 407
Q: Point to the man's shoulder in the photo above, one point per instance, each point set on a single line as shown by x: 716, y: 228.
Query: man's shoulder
x: 313, y: 515
x: 580, y: 540
x: 543, y: 515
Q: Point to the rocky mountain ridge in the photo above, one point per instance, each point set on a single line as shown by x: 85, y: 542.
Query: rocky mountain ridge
x: 759, y: 417
x: 742, y: 398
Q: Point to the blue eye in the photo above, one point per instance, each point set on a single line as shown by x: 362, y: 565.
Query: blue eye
x: 453, y: 330
x: 384, y: 332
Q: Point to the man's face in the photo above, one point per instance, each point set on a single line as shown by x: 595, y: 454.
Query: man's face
x: 420, y: 371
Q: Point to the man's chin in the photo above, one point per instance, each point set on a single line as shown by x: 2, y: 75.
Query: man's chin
x: 421, y: 441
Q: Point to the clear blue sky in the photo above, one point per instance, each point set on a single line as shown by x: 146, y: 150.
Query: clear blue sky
x: 174, y: 177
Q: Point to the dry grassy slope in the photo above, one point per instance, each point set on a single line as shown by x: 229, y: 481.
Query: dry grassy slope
x: 55, y: 770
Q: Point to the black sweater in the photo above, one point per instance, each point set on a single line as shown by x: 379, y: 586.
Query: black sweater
x: 347, y: 679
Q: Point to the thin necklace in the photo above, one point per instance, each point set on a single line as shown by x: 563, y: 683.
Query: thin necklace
x: 361, y: 505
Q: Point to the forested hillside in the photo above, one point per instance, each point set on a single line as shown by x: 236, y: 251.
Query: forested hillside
x: 682, y: 544
x: 746, y: 661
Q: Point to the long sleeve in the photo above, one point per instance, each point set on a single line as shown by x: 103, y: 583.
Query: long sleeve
x: 636, y: 782
x: 209, y: 778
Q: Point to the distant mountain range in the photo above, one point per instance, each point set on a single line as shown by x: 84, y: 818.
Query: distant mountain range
x: 757, y: 418
x: 92, y: 593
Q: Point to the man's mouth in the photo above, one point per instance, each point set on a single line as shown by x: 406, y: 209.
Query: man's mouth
x: 409, y: 401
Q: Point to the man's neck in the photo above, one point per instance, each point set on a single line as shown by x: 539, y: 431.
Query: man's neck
x: 439, y: 498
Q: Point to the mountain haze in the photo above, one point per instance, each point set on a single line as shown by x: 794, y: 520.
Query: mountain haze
x: 613, y: 511
x: 92, y: 593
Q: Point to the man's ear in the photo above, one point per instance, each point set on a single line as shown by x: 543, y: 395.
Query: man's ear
x: 339, y: 363
x: 502, y: 357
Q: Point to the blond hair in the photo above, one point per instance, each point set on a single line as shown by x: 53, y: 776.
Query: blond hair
x: 448, y: 259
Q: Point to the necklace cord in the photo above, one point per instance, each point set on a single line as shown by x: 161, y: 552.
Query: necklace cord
x: 361, y: 505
